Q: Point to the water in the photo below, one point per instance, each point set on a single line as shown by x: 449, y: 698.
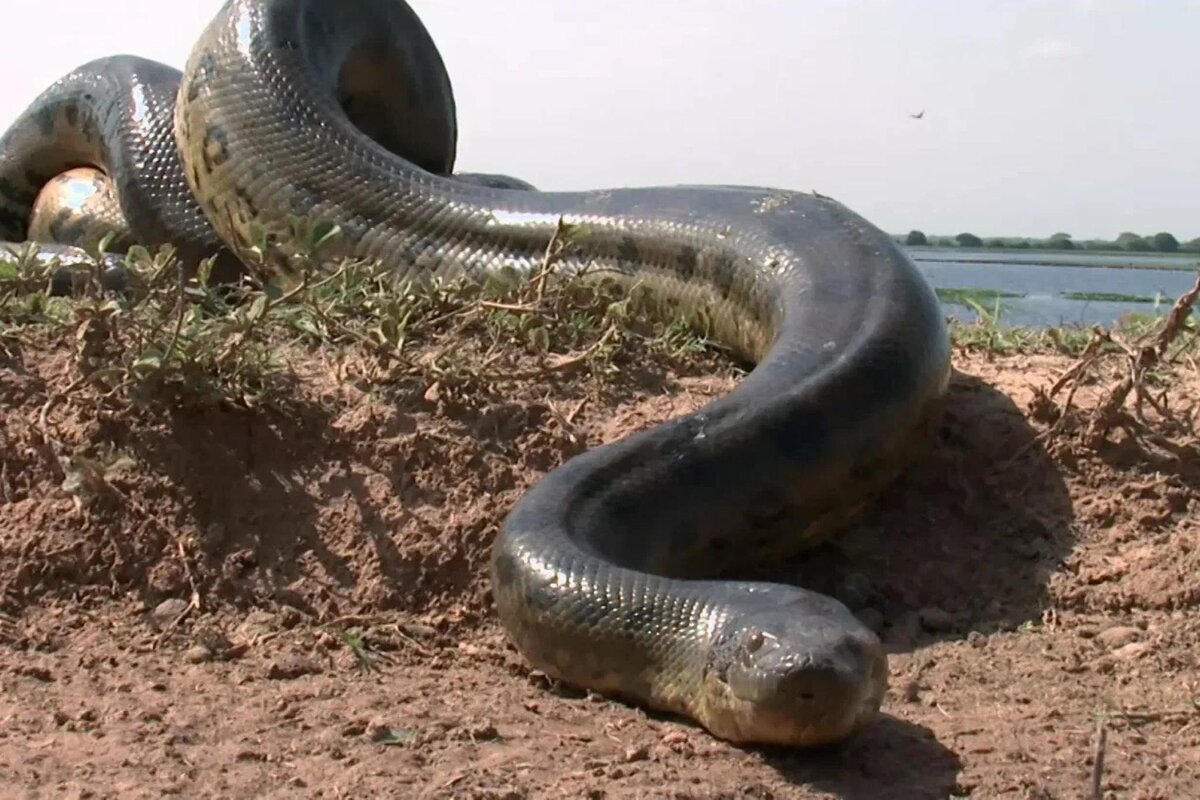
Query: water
x: 1044, y: 285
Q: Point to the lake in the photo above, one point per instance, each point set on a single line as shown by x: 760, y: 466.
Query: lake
x: 1156, y: 281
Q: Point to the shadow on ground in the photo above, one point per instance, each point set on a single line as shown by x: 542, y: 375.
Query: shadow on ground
x: 891, y: 759
x: 964, y: 541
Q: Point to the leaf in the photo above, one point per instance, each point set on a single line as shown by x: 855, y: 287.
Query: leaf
x: 105, y: 243
x: 257, y: 309
x: 146, y: 365
x: 323, y: 232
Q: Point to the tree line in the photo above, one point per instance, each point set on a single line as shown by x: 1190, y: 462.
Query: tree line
x: 1127, y: 242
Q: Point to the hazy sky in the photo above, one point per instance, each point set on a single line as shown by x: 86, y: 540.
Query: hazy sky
x: 1072, y: 115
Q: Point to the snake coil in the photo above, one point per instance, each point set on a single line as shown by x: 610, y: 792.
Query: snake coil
x: 607, y: 573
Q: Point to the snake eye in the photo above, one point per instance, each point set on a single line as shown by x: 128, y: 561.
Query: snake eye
x: 754, y: 641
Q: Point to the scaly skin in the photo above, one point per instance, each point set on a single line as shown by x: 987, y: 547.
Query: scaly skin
x: 607, y: 572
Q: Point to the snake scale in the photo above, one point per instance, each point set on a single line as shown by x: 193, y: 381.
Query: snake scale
x: 611, y: 573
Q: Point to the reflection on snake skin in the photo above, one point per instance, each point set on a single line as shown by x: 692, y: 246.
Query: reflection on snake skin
x: 610, y: 573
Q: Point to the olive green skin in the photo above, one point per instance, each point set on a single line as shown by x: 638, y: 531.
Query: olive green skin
x: 610, y: 573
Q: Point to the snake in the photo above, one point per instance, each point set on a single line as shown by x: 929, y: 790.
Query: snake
x: 626, y: 570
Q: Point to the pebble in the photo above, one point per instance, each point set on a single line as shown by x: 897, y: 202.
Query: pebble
x: 198, y: 654
x: 1118, y: 636
x: 257, y: 623
x: 418, y: 631
x: 291, y: 666
x: 166, y: 612
x: 1131, y: 651
x: 633, y: 754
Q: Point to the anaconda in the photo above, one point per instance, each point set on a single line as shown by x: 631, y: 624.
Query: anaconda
x: 614, y: 572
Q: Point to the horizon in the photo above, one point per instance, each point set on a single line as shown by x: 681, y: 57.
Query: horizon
x: 1039, y: 116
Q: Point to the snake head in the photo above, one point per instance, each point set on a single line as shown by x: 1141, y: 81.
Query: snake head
x: 801, y: 672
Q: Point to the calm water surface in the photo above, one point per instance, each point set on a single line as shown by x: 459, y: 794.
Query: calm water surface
x: 1044, y: 286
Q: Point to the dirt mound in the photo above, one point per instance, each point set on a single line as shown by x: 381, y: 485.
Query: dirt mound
x: 290, y: 598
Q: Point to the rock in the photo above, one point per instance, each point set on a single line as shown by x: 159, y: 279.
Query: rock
x: 1131, y: 651
x: 633, y: 754
x: 257, y: 623
x: 935, y: 620
x: 1118, y: 636
x: 166, y: 612
x: 198, y: 654
x: 290, y: 617
x: 291, y: 666
x: 418, y: 631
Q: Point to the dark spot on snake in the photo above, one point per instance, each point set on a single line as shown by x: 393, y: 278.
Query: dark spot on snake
x: 802, y: 437
x: 687, y: 261
x: 44, y: 117
x: 72, y: 115
x: 354, y: 230
x: 247, y: 204
x: 722, y: 274
x: 506, y: 569
x: 60, y: 225
x: 214, y: 147
x: 206, y: 65
x: 538, y: 597
x: 628, y: 249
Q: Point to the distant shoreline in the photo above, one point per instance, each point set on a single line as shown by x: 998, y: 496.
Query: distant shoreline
x: 1100, y: 259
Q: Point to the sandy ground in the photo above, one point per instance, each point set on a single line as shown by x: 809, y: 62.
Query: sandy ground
x: 292, y: 602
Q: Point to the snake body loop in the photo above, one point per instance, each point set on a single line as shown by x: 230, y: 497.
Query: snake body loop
x: 607, y: 574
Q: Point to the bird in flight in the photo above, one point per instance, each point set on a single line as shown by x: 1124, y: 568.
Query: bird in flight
x: 918, y: 116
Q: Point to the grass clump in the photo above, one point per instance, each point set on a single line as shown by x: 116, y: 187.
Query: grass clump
x: 170, y: 337
x: 162, y: 337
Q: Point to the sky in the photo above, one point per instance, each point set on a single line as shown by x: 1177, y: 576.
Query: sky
x: 1041, y: 116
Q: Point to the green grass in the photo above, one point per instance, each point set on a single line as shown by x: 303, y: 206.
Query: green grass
x: 178, y: 340
x: 966, y: 297
x: 987, y: 334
